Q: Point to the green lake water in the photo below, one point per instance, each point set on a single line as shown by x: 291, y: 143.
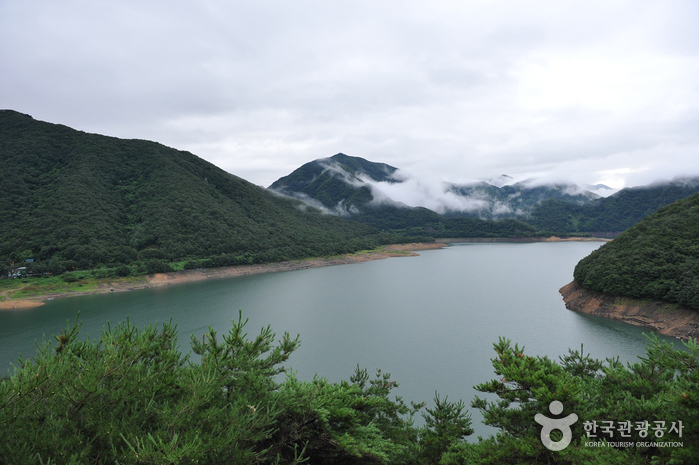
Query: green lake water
x: 429, y: 320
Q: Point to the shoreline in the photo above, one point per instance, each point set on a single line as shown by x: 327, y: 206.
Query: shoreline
x: 665, y: 318
x: 111, y: 285
x: 451, y: 240
x: 107, y: 286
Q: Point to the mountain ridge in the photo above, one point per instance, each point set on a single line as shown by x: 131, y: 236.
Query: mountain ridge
x: 349, y: 185
x: 336, y: 182
x: 551, y: 208
x: 80, y: 200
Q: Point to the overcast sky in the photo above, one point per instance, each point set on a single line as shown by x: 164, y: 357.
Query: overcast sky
x: 588, y: 91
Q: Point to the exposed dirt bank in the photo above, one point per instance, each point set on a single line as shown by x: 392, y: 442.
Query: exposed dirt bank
x: 662, y: 317
x: 20, y: 303
x: 106, y: 286
x: 449, y: 240
x: 396, y: 250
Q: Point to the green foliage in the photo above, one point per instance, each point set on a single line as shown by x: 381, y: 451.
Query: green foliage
x: 70, y: 277
x: 335, y: 183
x: 660, y: 387
x: 123, y: 271
x: 615, y: 213
x: 446, y: 426
x: 157, y: 266
x: 412, y: 222
x: 132, y: 397
x: 475, y: 227
x: 515, y: 200
x: 556, y: 215
x: 326, y: 180
x: 658, y: 258
x: 77, y: 200
x: 349, y: 422
x: 391, y: 218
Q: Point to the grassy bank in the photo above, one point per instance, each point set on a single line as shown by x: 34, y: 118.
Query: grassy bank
x: 105, y: 280
x: 68, y: 284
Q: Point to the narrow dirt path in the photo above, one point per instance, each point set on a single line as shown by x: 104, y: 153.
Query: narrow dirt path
x: 7, y: 291
x: 24, y: 303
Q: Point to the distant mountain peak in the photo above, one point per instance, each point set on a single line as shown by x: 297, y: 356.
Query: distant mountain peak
x: 601, y: 189
x: 343, y: 181
x: 502, y: 180
x: 360, y: 167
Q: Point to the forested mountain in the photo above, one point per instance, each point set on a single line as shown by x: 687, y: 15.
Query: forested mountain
x: 350, y: 187
x: 615, y: 213
x: 362, y: 190
x: 354, y: 186
x: 515, y: 200
x: 72, y: 199
x: 338, y: 183
x: 657, y: 258
x: 342, y: 186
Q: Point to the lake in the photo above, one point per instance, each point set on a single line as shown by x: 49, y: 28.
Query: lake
x: 429, y: 320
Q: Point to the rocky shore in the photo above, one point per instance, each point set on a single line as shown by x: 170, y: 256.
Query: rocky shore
x: 662, y: 317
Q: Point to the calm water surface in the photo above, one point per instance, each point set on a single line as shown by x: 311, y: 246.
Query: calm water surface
x: 429, y: 320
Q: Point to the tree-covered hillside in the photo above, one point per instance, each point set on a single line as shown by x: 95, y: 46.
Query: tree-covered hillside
x: 351, y: 187
x: 71, y: 199
x: 516, y: 201
x: 657, y: 258
x: 336, y: 182
x: 339, y: 185
x: 615, y: 213
x: 347, y: 186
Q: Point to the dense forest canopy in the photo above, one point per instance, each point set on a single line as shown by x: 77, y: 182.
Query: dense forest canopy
x: 658, y: 258
x: 615, y: 213
x: 72, y: 199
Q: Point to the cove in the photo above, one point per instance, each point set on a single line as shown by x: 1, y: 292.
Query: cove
x: 429, y: 320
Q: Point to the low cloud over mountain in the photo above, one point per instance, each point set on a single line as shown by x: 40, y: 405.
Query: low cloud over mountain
x: 348, y: 185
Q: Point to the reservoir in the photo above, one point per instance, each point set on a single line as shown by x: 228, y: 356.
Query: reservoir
x: 429, y: 320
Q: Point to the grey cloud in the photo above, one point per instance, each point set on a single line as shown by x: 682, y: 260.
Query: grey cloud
x: 462, y: 90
